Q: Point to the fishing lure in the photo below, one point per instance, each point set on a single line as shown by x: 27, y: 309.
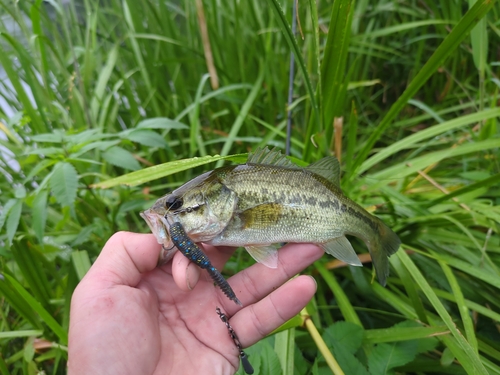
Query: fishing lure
x: 196, y: 255
x: 244, y: 359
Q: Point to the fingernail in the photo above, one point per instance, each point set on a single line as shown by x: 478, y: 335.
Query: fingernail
x: 192, y: 275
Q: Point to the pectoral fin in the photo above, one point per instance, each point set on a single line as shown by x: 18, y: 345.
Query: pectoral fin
x: 341, y: 249
x: 265, y: 254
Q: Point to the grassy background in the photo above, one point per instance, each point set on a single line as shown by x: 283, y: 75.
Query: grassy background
x: 416, y: 87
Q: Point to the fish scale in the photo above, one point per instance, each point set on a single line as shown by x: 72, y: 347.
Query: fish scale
x: 269, y: 200
x: 297, y: 215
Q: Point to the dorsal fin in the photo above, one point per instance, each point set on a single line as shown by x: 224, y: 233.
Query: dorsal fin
x: 270, y: 157
x: 328, y: 167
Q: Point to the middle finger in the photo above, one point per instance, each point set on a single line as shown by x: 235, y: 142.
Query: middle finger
x: 257, y: 281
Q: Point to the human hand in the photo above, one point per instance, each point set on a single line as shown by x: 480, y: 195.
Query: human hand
x: 129, y: 317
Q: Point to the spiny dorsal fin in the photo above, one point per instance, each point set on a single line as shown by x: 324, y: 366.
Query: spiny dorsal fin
x: 270, y: 157
x: 328, y: 167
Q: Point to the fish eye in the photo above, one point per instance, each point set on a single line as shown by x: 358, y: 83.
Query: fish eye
x: 173, y: 203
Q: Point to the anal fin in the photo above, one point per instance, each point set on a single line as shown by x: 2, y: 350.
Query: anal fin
x: 341, y: 249
x: 265, y: 254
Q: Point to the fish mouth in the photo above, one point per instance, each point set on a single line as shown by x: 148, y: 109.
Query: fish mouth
x: 159, y: 227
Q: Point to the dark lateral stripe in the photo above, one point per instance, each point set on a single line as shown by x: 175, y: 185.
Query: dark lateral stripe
x: 359, y: 215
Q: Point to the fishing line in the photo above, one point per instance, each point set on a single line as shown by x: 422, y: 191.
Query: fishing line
x: 290, y: 84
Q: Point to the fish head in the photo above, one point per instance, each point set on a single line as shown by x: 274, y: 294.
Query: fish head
x: 203, y: 206
x: 159, y: 227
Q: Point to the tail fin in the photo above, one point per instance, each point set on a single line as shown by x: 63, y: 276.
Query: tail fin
x: 381, y: 249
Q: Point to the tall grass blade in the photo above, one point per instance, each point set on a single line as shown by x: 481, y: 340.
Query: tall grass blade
x: 420, y: 163
x: 292, y: 43
x: 333, y: 67
x: 472, y: 356
x: 38, y: 308
x: 18, y: 303
x: 426, y: 134
x: 343, y: 302
x: 163, y: 170
x: 242, y: 115
x: 81, y: 262
x: 451, y: 42
x: 464, y: 311
x: 284, y: 345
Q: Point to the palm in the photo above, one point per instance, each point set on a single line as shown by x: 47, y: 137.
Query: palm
x: 128, y: 317
x: 189, y: 328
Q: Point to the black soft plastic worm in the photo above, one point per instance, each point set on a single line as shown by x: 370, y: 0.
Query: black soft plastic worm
x: 196, y: 255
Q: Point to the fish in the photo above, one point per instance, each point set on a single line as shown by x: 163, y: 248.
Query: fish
x: 268, y: 201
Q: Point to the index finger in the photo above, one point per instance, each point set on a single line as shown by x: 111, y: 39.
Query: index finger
x: 124, y: 258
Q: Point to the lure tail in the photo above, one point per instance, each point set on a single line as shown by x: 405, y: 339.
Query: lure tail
x: 223, y: 284
x: 196, y: 255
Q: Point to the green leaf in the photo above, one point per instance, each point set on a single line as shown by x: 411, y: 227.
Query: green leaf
x: 100, y: 145
x: 144, y: 137
x: 345, y: 334
x: 45, y: 151
x: 253, y: 354
x: 166, y: 169
x: 13, y: 220
x: 40, y: 214
x: 56, y: 137
x: 20, y: 192
x: 345, y: 339
x: 161, y: 123
x: 5, y: 211
x: 348, y: 362
x: 121, y: 158
x: 64, y: 183
x: 384, y: 357
x: 270, y: 361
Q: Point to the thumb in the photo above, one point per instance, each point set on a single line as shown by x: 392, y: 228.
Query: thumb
x: 185, y: 273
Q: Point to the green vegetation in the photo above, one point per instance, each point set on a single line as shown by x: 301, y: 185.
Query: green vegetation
x: 119, y: 86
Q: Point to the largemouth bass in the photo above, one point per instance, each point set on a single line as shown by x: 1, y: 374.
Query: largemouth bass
x: 267, y: 201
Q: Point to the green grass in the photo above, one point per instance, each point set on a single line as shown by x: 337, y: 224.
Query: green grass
x: 123, y: 87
